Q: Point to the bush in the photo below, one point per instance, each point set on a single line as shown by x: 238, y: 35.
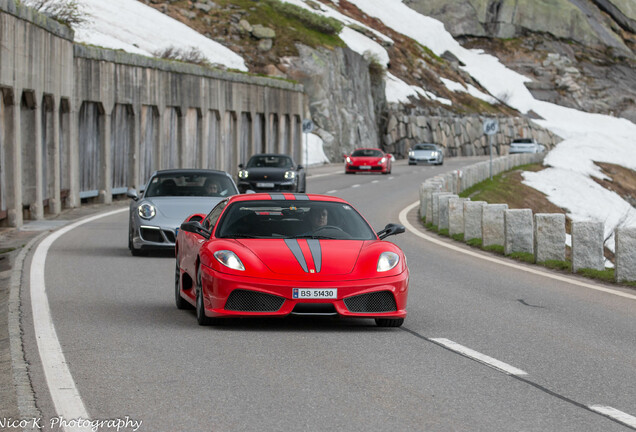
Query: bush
x: 68, y: 12
x: 191, y: 55
x: 313, y: 21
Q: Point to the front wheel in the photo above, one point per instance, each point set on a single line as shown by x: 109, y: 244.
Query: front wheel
x: 389, y: 322
x: 200, y: 306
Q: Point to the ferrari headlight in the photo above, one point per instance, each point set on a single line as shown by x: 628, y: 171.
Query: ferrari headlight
x: 387, y: 261
x: 243, y: 174
x: 229, y: 259
x: 146, y: 211
x: 290, y: 174
x: 382, y: 161
x: 348, y: 159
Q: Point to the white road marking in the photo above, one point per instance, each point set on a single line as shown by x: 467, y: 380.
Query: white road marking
x: 375, y: 181
x: 355, y: 185
x: 619, y: 416
x: 66, y: 398
x: 482, y: 358
x: 391, y: 178
x: 536, y: 271
x: 332, y: 191
x: 313, y: 176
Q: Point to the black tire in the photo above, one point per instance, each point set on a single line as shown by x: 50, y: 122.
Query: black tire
x: 200, y: 308
x: 180, y: 302
x: 389, y: 322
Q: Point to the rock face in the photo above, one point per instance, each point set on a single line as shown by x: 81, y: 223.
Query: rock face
x: 579, y: 20
x: 339, y: 93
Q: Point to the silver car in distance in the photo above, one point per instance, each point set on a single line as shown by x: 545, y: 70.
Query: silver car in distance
x: 169, y: 197
x: 426, y: 153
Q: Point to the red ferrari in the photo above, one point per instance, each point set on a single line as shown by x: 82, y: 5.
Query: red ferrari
x: 368, y: 160
x: 276, y: 254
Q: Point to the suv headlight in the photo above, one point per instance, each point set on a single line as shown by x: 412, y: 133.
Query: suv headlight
x: 229, y: 259
x: 243, y: 174
x: 387, y: 261
x: 146, y: 211
x: 290, y: 174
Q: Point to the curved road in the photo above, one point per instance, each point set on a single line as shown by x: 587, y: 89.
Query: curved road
x: 485, y: 347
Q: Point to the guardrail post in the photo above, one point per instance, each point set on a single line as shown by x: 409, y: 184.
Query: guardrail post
x: 456, y: 215
x: 587, y: 245
x: 472, y: 219
x: 625, y: 242
x: 493, y: 224
x: 443, y: 211
x: 518, y: 231
x: 549, y: 237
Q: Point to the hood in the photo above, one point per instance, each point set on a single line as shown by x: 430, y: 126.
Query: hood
x: 268, y: 174
x: 178, y: 208
x: 302, y: 257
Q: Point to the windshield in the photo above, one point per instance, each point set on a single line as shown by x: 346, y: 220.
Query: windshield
x: 270, y: 161
x: 293, y: 220
x: 190, y: 184
x: 424, y: 147
x: 367, y: 153
x: 522, y: 141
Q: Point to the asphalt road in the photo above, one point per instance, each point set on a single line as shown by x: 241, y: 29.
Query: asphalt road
x: 565, y: 350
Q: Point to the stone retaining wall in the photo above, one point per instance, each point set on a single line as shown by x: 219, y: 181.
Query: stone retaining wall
x: 517, y: 230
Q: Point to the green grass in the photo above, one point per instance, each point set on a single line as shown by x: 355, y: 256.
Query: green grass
x: 475, y: 242
x: 458, y: 237
x: 7, y: 250
x: 499, y: 249
x: 557, y: 265
x: 498, y: 188
x: 523, y: 256
x: 429, y: 226
x: 606, y: 275
x: 444, y: 232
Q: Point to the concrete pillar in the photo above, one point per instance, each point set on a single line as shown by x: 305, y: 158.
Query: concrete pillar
x: 73, y: 159
x: 587, y: 245
x: 492, y: 223
x: 456, y: 215
x: 518, y: 231
x: 13, y: 159
x: 135, y: 180
x: 472, y: 219
x: 55, y: 203
x: 625, y: 242
x: 105, y: 188
x: 444, y: 210
x: 549, y: 237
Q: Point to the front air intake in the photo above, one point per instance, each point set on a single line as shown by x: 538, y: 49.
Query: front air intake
x: 253, y: 301
x: 379, y: 301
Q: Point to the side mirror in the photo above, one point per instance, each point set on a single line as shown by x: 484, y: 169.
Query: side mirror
x: 391, y: 229
x: 240, y: 166
x: 132, y: 193
x: 196, y: 228
x: 300, y: 167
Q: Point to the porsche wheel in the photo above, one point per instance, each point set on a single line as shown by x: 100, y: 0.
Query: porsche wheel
x: 389, y: 322
x: 201, y: 318
x: 179, y: 301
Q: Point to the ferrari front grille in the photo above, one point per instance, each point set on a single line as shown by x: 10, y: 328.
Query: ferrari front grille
x: 379, y: 301
x: 253, y: 301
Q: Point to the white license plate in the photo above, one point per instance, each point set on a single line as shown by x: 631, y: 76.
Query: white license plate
x: 315, y: 293
x: 265, y: 185
x: 365, y: 167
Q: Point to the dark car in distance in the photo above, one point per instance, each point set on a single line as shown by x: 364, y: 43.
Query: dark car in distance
x: 270, y: 172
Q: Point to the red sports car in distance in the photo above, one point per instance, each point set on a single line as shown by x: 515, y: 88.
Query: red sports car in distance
x: 368, y: 160
x: 276, y: 254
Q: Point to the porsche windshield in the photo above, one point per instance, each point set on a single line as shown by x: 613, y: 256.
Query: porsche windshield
x: 425, y: 147
x: 295, y: 219
x: 190, y: 184
x: 269, y: 161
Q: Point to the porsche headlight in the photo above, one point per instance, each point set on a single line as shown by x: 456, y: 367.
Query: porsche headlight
x: 146, y: 211
x: 382, y: 161
x: 434, y: 154
x: 411, y: 153
x: 243, y: 174
x: 290, y: 174
x: 387, y: 261
x: 229, y: 259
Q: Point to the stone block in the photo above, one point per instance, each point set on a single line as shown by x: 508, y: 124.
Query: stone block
x: 492, y: 224
x: 435, y: 207
x: 456, y: 215
x: 587, y: 245
x: 625, y: 242
x: 549, y: 237
x: 518, y: 231
x: 443, y: 210
x: 472, y: 219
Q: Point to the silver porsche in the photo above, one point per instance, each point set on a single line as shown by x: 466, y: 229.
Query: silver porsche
x: 168, y: 198
x: 426, y: 153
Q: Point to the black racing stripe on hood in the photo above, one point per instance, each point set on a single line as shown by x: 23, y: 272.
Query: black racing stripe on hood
x: 316, y: 253
x: 294, y: 247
